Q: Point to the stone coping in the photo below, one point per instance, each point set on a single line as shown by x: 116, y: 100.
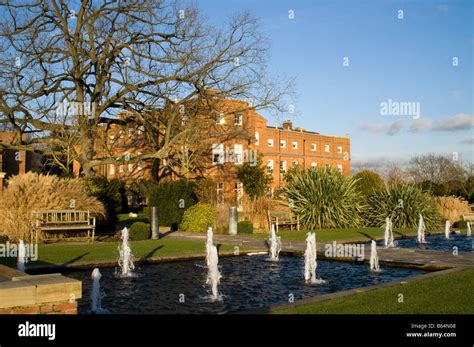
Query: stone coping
x: 18, y: 289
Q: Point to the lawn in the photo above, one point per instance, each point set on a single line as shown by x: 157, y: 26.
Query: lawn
x: 63, y: 253
x: 448, y: 294
x: 347, y: 234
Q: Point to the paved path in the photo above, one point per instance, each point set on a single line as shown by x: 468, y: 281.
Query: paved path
x: 427, y: 259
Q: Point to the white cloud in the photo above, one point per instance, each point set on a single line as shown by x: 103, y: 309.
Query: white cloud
x: 421, y: 125
x: 391, y: 128
x: 460, y: 121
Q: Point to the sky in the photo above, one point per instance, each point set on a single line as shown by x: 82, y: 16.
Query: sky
x: 423, y: 60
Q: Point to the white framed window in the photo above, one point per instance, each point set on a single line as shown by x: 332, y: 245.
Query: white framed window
x: 257, y: 138
x: 130, y: 167
x: 238, y: 153
x: 282, y: 166
x: 122, y: 168
x: 326, y: 148
x: 339, y: 149
x: 294, y: 144
x: 270, y: 166
x: 111, y: 169
x: 314, y: 165
x: 339, y: 168
x: 217, y: 153
x: 270, y: 142
x: 220, y: 193
x: 282, y: 143
x: 313, y: 146
x: 238, y: 119
x: 141, y: 129
x: 221, y: 119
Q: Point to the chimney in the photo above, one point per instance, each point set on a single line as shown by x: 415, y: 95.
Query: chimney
x: 287, y: 125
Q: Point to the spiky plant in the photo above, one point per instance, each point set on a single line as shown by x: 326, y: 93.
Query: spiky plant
x: 323, y: 198
x: 403, y: 203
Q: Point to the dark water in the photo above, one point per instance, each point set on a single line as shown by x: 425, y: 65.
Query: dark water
x: 438, y: 243
x: 248, y: 282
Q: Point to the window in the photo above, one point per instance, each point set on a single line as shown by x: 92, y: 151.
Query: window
x: 217, y: 153
x: 270, y: 166
x: 140, y: 165
x: 257, y: 138
x: 111, y: 169
x: 141, y: 129
x: 313, y: 146
x: 326, y: 148
x: 339, y: 168
x: 121, y: 134
x: 282, y: 166
x: 270, y: 142
x: 238, y: 153
x: 295, y: 145
x: 220, y: 119
x: 238, y: 119
x: 130, y: 167
x: 282, y: 143
x: 220, y: 193
x: 122, y: 168
x: 314, y: 165
x: 339, y: 149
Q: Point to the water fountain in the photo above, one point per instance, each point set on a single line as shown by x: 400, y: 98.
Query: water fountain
x: 310, y: 263
x: 20, y: 265
x: 388, y: 237
x: 421, y: 230
x: 275, y: 245
x: 209, y: 244
x: 125, y: 261
x: 96, y: 296
x: 374, y: 258
x: 468, y: 228
x: 213, y: 274
x: 446, y: 229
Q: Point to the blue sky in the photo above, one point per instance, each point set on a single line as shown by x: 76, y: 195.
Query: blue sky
x: 406, y: 60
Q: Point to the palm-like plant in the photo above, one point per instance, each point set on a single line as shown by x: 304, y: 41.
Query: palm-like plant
x: 403, y: 203
x: 323, y: 198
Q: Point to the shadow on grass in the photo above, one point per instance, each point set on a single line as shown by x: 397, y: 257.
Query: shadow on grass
x: 74, y: 259
x: 151, y: 253
x: 366, y: 235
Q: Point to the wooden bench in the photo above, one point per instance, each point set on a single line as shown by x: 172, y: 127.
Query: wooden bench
x: 284, y: 218
x: 64, y: 220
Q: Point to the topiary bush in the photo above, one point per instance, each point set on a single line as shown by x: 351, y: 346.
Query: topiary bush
x: 172, y: 199
x: 323, y: 198
x: 245, y: 227
x: 198, y: 218
x: 403, y: 203
x: 368, y: 182
x: 139, y: 231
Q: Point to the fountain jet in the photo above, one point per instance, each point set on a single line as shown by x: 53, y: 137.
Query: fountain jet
x: 96, y: 296
x: 421, y: 230
x: 209, y: 244
x: 468, y: 228
x: 20, y: 265
x: 125, y: 259
x: 388, y: 237
x: 310, y: 263
x: 275, y: 245
x: 446, y: 229
x: 374, y: 258
x: 213, y: 274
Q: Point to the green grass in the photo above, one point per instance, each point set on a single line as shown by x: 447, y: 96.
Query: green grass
x: 448, y: 294
x: 347, y: 234
x: 68, y: 253
x: 125, y: 221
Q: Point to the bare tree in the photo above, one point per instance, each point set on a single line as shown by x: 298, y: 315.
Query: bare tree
x: 435, y: 168
x: 68, y: 69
